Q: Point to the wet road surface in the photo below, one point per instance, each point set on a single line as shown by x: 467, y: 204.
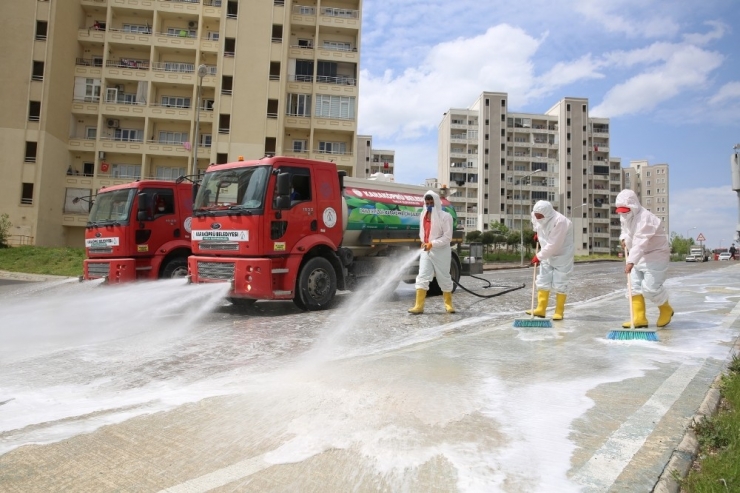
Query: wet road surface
x: 164, y: 387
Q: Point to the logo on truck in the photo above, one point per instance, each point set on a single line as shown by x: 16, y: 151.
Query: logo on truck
x: 224, y: 235
x: 330, y: 217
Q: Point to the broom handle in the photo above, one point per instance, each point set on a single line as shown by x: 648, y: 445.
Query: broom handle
x: 629, y: 292
x: 534, y: 276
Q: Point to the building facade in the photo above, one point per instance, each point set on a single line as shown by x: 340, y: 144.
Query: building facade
x: 502, y: 162
x: 107, y: 91
x: 650, y: 183
x: 371, y: 161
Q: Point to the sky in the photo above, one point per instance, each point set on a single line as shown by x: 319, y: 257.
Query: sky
x: 666, y: 73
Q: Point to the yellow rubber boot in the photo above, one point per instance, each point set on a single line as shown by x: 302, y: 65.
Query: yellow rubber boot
x: 448, y: 302
x: 418, y: 308
x: 559, y: 306
x: 666, y: 312
x: 638, y: 312
x: 542, y: 299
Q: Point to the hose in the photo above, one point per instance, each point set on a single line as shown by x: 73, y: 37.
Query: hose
x: 509, y: 290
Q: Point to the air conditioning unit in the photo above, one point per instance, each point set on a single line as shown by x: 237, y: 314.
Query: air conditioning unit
x: 101, y: 154
x: 192, y: 24
x: 113, y: 123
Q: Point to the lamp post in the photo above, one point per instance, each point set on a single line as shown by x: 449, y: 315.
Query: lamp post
x: 572, y: 210
x: 521, y: 224
x: 202, y: 72
x: 687, y: 232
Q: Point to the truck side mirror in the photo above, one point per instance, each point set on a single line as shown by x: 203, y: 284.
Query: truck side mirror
x: 282, y: 194
x: 143, y: 207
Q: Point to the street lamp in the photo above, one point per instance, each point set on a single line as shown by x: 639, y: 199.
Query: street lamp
x: 202, y: 72
x: 521, y: 224
x: 577, y: 207
x: 687, y: 232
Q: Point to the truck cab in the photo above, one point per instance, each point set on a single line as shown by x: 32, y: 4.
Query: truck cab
x: 139, y: 231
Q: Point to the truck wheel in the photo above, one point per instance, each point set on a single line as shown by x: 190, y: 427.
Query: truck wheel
x: 317, y: 285
x: 435, y: 290
x: 176, y: 268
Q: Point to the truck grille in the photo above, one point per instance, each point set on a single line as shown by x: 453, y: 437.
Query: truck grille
x: 101, y: 250
x: 216, y: 270
x: 219, y: 246
x: 98, y: 269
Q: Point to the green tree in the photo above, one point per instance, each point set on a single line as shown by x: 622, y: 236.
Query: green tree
x: 5, y: 225
x: 500, y: 233
x: 487, y: 239
x: 473, y: 236
x: 680, y: 245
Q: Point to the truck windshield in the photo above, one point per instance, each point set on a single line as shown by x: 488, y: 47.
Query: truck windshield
x: 112, y: 207
x: 239, y: 188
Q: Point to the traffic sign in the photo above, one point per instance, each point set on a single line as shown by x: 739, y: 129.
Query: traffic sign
x: 701, y: 237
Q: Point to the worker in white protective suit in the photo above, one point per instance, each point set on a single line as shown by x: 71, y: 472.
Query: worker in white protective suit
x: 554, y: 231
x: 435, y: 232
x: 644, y: 237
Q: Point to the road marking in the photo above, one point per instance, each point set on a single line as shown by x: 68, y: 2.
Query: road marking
x: 221, y: 477
x: 605, y: 466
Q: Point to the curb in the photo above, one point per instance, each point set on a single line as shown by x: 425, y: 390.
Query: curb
x: 685, y: 454
x: 22, y: 276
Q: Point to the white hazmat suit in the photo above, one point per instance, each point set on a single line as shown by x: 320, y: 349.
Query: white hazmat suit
x: 646, y: 240
x: 555, y: 235
x: 435, y: 260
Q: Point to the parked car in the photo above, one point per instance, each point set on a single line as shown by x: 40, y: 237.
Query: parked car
x: 725, y: 256
x: 691, y: 258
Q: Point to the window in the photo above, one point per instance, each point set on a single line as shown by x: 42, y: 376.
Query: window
x: 222, y: 158
x: 567, y: 107
x: 229, y: 47
x: 227, y: 82
x: 277, y: 33
x: 182, y: 32
x: 333, y: 147
x: 304, y: 70
x: 232, y: 10
x: 212, y: 36
x: 206, y: 140
x: 87, y: 90
x: 272, y: 108
x: 176, y: 101
x: 187, y: 68
x: 224, y: 124
x: 300, y: 146
x: 337, y: 46
x: 128, y: 135
x: 30, y: 152
x: 27, y: 193
x: 137, y: 28
x: 342, y: 107
x: 170, y: 173
x: 308, y: 43
x: 41, y: 28
x: 91, y: 133
x: 130, y: 171
x: 72, y: 206
x: 87, y: 169
x: 38, y: 71
x: 172, y: 137
x: 34, y: 111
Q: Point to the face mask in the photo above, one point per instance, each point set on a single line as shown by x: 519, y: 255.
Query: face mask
x: 161, y: 209
x: 429, y: 208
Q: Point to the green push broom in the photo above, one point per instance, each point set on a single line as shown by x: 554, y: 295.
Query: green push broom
x: 531, y: 321
x: 631, y: 334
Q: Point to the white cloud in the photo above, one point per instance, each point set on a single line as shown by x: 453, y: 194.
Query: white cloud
x: 643, y: 19
x: 686, y: 68
x: 713, y: 211
x: 728, y: 92
x: 453, y: 74
x: 718, y: 31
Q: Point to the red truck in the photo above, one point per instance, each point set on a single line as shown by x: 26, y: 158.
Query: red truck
x: 283, y: 228
x: 139, y: 231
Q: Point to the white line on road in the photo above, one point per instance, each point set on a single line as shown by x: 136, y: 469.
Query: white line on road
x: 221, y: 477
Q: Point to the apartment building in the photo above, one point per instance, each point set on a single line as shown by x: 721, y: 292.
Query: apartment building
x: 102, y: 92
x: 371, y: 161
x: 650, y: 183
x: 502, y: 162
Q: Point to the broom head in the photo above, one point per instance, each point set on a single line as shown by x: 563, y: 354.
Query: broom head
x: 533, y: 322
x: 632, y: 335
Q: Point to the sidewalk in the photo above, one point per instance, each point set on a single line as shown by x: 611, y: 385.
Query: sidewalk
x: 22, y: 276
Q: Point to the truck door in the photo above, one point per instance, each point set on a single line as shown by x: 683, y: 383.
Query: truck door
x: 300, y: 220
x: 162, y: 225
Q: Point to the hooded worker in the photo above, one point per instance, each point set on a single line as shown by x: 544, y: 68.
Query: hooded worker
x: 554, y: 231
x: 644, y: 237
x: 435, y: 232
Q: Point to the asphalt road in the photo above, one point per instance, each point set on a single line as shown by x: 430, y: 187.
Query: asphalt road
x: 162, y: 386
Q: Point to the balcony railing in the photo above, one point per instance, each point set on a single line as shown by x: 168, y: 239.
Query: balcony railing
x: 186, y: 68
x: 300, y: 78
x: 212, y: 3
x: 182, y: 1
x: 128, y: 63
x: 345, y: 13
x: 89, y: 62
x: 146, y: 31
x: 181, y: 33
x: 339, y: 80
x: 87, y: 99
x: 304, y: 10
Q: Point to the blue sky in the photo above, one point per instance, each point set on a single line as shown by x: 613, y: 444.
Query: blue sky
x: 667, y: 74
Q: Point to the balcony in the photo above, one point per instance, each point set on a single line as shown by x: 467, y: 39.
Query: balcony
x: 135, y: 4
x: 303, y: 15
x: 165, y: 148
x: 86, y: 106
x: 338, y: 17
x: 128, y: 37
x: 180, y: 6
x: 212, y: 8
x: 90, y: 35
x: 114, y: 144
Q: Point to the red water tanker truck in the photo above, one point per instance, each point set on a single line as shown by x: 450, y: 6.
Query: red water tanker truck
x: 139, y: 231
x: 283, y: 228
